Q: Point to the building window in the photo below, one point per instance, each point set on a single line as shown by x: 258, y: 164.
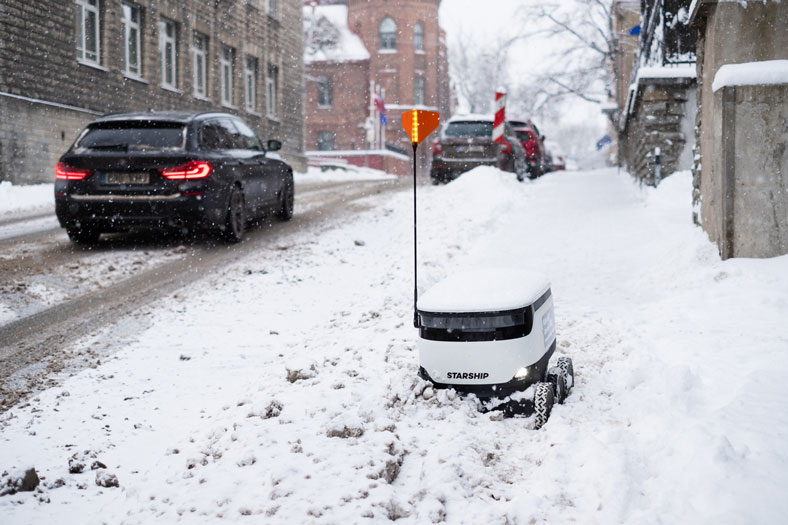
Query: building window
x: 199, y: 69
x: 167, y: 52
x: 272, y: 90
x: 418, y: 37
x: 130, y: 20
x: 325, y: 140
x: 226, y: 68
x: 325, y: 92
x: 418, y: 91
x: 388, y: 34
x: 88, y: 31
x: 250, y: 84
x: 270, y: 8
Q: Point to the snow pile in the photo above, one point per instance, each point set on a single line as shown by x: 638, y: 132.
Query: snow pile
x: 15, y: 198
x: 284, y: 386
x: 339, y: 174
x: 767, y: 72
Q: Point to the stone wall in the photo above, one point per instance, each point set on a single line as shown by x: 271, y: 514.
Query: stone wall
x: 38, y: 61
x: 740, y: 191
x: 35, y: 136
x: 663, y: 116
x: 745, y: 196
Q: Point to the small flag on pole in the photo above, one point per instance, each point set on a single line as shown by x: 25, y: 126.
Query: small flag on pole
x: 381, y: 107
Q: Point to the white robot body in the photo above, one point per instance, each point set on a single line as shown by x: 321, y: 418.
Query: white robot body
x: 488, y: 332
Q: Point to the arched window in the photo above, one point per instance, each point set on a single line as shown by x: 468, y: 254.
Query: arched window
x: 418, y: 91
x: 418, y: 37
x: 388, y: 34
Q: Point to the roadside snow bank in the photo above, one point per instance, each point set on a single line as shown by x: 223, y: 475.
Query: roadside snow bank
x: 340, y: 174
x: 19, y: 197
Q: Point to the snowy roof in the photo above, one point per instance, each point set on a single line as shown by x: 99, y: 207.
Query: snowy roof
x: 329, y: 39
x: 484, y: 290
x: 751, y: 74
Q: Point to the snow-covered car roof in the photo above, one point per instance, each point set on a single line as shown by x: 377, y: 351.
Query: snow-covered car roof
x: 470, y: 117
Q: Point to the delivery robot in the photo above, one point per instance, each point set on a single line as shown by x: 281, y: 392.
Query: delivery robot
x: 491, y: 332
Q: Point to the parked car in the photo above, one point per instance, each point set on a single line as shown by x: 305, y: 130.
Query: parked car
x: 169, y: 170
x: 533, y: 143
x: 466, y: 142
x: 557, y: 162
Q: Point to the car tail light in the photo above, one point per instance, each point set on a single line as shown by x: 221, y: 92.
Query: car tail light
x: 65, y: 172
x: 506, y: 148
x: 437, y: 149
x: 194, y: 169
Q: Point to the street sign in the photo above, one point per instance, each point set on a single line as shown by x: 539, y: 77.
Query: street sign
x: 419, y: 123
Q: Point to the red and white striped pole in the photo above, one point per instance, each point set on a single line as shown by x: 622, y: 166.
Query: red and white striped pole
x: 498, y: 120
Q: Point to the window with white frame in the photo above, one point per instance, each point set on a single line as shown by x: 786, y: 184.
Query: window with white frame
x: 250, y: 84
x: 387, y: 33
x: 168, y: 53
x: 418, y: 37
x: 88, y: 31
x: 199, y: 65
x: 272, y: 89
x: 270, y: 8
x: 130, y: 22
x: 325, y: 92
x: 226, y: 69
x: 418, y: 91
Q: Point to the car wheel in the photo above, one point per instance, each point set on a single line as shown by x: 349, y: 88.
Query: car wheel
x: 83, y: 235
x: 285, y: 212
x: 235, y: 223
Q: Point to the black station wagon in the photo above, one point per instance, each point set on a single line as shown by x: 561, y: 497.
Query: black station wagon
x: 169, y: 170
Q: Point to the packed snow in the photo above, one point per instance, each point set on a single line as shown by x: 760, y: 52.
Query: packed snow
x: 284, y: 386
x: 767, y: 72
x: 15, y: 198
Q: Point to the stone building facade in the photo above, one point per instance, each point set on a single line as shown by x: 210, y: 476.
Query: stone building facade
x: 63, y: 63
x: 354, y: 47
x: 657, y: 117
x: 741, y: 179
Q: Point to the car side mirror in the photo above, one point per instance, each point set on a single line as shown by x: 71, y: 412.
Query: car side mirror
x: 273, y: 145
x: 542, y: 138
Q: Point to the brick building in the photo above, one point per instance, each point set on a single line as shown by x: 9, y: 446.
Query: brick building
x: 63, y: 63
x: 355, y: 46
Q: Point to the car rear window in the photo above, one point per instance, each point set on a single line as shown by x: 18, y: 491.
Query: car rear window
x: 469, y: 129
x: 523, y: 134
x: 134, y: 135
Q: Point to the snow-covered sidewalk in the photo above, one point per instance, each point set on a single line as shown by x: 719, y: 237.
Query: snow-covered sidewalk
x: 284, y: 387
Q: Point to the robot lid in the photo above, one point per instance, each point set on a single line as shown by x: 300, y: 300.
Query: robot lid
x: 484, y: 290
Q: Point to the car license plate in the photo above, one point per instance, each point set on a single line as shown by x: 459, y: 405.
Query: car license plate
x: 127, y: 178
x: 470, y: 149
